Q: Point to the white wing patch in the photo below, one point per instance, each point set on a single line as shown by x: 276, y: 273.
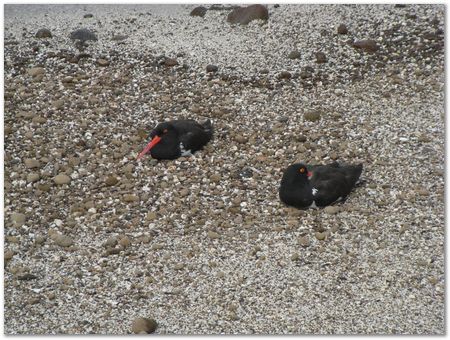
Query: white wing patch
x: 184, y: 152
x: 314, y: 191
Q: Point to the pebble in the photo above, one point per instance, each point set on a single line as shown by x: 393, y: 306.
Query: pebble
x: 39, y: 239
x: 321, y: 235
x: 170, y: 62
x: 26, y: 277
x: 111, y: 242
x: 295, y: 257
x: 32, y: 163
x: 35, y: 71
x: 199, y: 11
x: 243, y: 15
x: 303, y: 241
x: 433, y: 280
x: 112, y: 251
x: 119, y: 37
x: 125, y: 242
x: 312, y: 116
x: 285, y: 75
x: 18, y: 219
x: 102, y: 62
x: 184, y: 192
x: 33, y: 177
x: 8, y: 255
x: 211, y: 68
x: 62, y: 240
x: 58, y: 104
x: 241, y: 139
x: 294, y: 55
x: 331, y: 209
x: 424, y: 138
x: 157, y: 246
x: 366, y: 45
x: 130, y: 198
x: 321, y: 58
x: 423, y: 192
x: 83, y: 34
x: 43, y: 33
x: 342, y: 29
x: 111, y: 180
x: 61, y: 179
x: 213, y: 234
x: 44, y: 187
x: 144, y: 326
x: 151, y: 215
x: 215, y: 178
x: 178, y: 266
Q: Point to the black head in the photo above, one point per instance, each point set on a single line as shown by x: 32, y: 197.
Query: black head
x: 297, y: 171
x: 295, y: 188
x: 163, y: 136
x: 163, y: 129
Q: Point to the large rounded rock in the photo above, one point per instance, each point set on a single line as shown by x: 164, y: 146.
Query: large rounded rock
x: 61, y: 179
x: 31, y: 163
x: 35, y: 71
x: 43, y: 33
x: 321, y: 58
x: 119, y: 37
x: 342, y: 29
x: 33, y: 177
x: 294, y: 55
x: 83, y: 34
x: 312, y: 115
x: 199, y: 11
x: 367, y: 45
x: 62, y: 240
x: 144, y: 326
x: 212, y: 68
x: 243, y: 15
x: 18, y: 219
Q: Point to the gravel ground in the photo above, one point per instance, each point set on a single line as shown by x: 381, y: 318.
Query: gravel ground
x: 95, y: 239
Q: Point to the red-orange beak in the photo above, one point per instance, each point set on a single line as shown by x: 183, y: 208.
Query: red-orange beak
x: 149, y: 146
x: 309, y: 174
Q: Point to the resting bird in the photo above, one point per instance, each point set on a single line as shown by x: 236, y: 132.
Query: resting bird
x: 314, y: 186
x: 170, y: 140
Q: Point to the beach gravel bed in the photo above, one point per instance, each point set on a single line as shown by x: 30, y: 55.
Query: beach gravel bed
x: 96, y: 241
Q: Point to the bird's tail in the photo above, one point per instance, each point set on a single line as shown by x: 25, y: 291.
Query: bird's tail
x: 207, y: 125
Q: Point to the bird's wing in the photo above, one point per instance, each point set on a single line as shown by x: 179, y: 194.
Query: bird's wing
x: 329, y: 190
x: 194, y: 140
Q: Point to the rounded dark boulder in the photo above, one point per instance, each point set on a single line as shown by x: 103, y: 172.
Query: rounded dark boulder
x: 367, y: 45
x: 294, y: 55
x: 211, y: 68
x: 342, y: 29
x: 243, y: 15
x: 43, y: 33
x: 199, y: 11
x: 83, y: 34
x: 321, y: 58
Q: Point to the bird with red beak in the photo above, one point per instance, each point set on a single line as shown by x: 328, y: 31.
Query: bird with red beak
x: 176, y: 138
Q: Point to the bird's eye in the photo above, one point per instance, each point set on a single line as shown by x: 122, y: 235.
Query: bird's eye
x: 302, y: 170
x: 165, y: 131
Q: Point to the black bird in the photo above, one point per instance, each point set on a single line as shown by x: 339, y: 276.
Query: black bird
x: 317, y: 185
x: 170, y: 140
